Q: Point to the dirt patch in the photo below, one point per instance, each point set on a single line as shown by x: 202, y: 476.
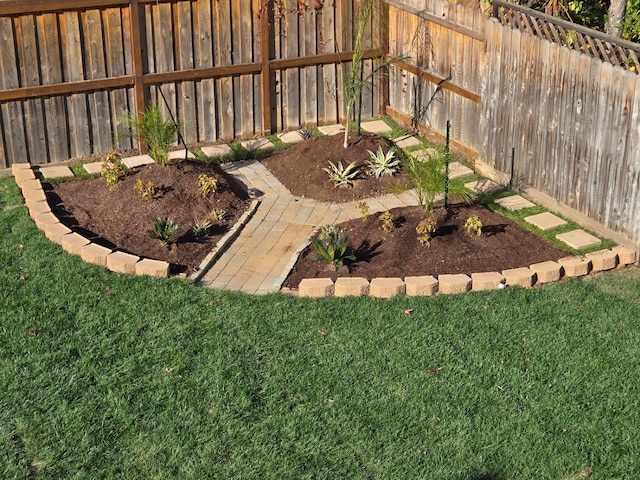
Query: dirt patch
x: 118, y: 216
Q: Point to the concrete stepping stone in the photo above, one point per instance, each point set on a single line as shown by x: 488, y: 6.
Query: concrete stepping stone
x: 316, y: 287
x: 483, y: 186
x: 351, y: 286
x: 386, y: 287
x: 547, y: 272
x: 575, y: 266
x: 458, y: 170
x: 180, y: 154
x: 257, y: 144
x: 602, y: 260
x: 217, y: 150
x: 56, y: 172
x: 545, y: 221
x: 426, y: 285
x: 626, y: 255
x: 578, y: 239
x: 520, y: 277
x: 425, y: 154
x: 291, y: 137
x: 376, y: 126
x: 487, y: 281
x: 330, y: 130
x: 455, y: 283
x: 515, y: 203
x: 138, y: 161
x: 93, y: 167
x: 406, y: 141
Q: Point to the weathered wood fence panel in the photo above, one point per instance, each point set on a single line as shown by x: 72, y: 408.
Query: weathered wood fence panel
x: 69, y: 70
x: 441, y: 78
x: 569, y: 120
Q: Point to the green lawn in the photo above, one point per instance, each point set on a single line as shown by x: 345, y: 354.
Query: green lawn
x: 108, y: 376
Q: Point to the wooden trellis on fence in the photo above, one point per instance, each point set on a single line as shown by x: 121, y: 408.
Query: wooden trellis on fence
x: 616, y: 51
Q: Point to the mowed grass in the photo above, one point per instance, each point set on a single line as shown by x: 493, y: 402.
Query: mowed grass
x: 109, y: 376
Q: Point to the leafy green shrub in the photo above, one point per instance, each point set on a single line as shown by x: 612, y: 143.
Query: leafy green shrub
x: 473, y: 225
x: 342, y: 176
x: 207, y: 184
x: 331, y: 246
x: 163, y: 229
x: 158, y: 133
x: 148, y: 190
x: 112, y: 167
x: 387, y: 222
x: 382, y: 164
x: 425, y: 230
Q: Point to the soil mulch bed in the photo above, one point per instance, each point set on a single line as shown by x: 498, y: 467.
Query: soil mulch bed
x: 118, y: 216
x: 503, y: 244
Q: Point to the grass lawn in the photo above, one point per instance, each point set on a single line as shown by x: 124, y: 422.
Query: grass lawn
x: 108, y: 376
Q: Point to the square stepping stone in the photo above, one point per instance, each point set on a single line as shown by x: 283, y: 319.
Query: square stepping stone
x: 425, y: 154
x: 291, y: 137
x: 578, y: 239
x: 330, y: 130
x: 257, y: 144
x: 180, y: 154
x: 545, y: 221
x: 514, y: 203
x: 56, y: 172
x: 92, y: 168
x: 376, y: 126
x: 138, y: 161
x: 483, y: 186
x: 458, y: 170
x: 406, y: 141
x: 217, y: 150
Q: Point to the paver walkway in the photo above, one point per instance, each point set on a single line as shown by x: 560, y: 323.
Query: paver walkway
x: 260, y: 259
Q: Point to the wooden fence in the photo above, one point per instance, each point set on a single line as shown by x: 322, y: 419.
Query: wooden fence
x: 234, y: 68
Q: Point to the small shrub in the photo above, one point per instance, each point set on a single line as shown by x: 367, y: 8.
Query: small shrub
x: 425, y: 230
x: 382, y: 164
x: 342, y: 176
x: 305, y: 133
x: 330, y: 245
x: 148, y: 190
x: 218, y: 215
x: 112, y: 168
x: 201, y: 228
x: 207, y: 185
x: 387, y: 222
x: 158, y: 133
x: 473, y: 225
x: 163, y: 229
x: 364, y: 210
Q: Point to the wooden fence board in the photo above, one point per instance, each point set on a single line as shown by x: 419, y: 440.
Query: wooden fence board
x: 328, y: 105
x: 224, y: 86
x: 203, y: 58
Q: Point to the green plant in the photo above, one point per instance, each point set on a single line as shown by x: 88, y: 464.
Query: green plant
x: 200, y: 228
x: 364, y: 210
x: 207, y: 184
x: 387, y: 222
x: 331, y: 246
x: 426, y: 229
x: 342, y: 176
x: 163, y: 229
x: 218, y: 215
x: 148, y: 190
x: 159, y: 134
x: 305, y: 133
x: 112, y: 167
x: 473, y: 225
x: 429, y: 180
x: 382, y: 164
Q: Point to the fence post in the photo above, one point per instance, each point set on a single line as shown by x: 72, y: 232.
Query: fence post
x: 267, y: 51
x: 384, y: 39
x: 135, y: 22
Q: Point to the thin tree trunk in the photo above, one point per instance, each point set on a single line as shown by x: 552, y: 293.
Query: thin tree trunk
x: 616, y: 12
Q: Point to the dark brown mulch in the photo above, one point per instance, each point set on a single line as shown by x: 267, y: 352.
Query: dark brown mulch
x: 118, y: 216
x: 502, y: 245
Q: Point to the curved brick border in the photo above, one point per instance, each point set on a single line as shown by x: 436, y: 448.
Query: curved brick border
x: 113, y: 260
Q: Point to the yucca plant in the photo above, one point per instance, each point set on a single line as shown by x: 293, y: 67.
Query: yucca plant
x: 331, y: 246
x: 382, y: 164
x: 159, y: 134
x: 163, y: 229
x: 201, y: 228
x: 342, y: 176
